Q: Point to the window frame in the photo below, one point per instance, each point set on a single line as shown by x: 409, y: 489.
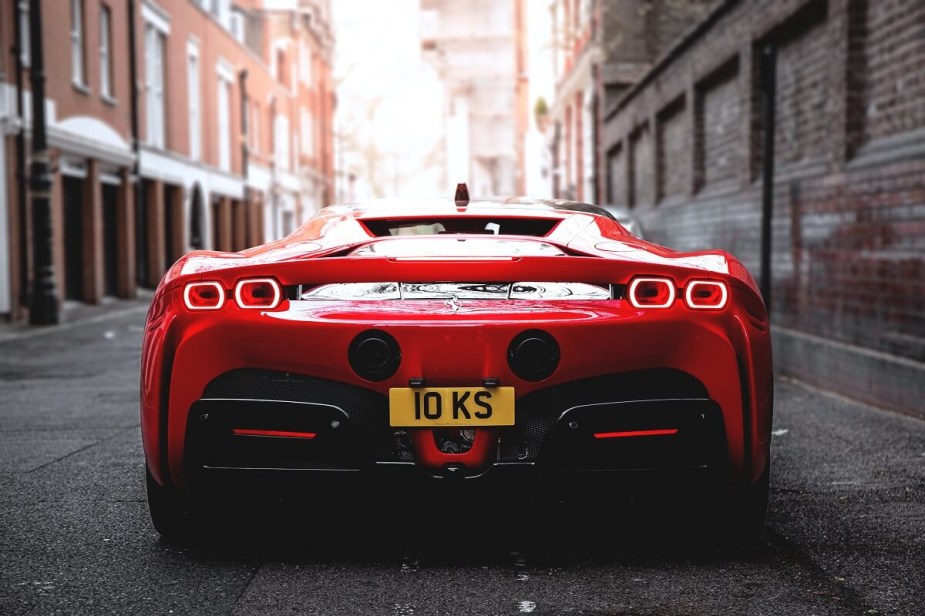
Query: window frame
x: 107, y: 89
x: 156, y: 115
x: 78, y: 41
x: 194, y: 111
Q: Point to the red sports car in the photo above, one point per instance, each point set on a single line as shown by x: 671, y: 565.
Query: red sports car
x: 535, y: 342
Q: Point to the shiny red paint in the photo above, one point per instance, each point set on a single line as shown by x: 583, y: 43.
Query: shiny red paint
x: 184, y: 350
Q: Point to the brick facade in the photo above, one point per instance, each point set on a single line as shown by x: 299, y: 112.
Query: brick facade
x: 241, y: 152
x: 600, y: 48
x: 848, y: 248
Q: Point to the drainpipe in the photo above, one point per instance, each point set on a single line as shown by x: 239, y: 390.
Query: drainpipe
x: 768, y: 88
x: 139, y: 195
x: 44, y: 309
x: 21, y: 190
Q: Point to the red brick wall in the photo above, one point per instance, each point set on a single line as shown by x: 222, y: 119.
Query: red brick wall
x: 848, y: 249
x: 674, y: 152
x: 895, y: 51
x: 803, y: 94
x: 643, y: 169
x: 850, y: 262
x: 616, y: 187
x: 719, y: 124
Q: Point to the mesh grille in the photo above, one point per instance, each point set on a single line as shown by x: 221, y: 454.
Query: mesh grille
x: 368, y: 409
x: 537, y: 412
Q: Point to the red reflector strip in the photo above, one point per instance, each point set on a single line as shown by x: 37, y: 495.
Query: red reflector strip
x: 276, y: 433
x: 666, y: 432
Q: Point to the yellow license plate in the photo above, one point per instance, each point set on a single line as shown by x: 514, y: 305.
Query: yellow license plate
x: 451, y: 406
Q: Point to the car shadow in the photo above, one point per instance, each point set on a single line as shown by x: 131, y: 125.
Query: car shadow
x: 447, y: 532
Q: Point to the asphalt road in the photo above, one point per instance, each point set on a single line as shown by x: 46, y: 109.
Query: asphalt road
x: 845, y: 531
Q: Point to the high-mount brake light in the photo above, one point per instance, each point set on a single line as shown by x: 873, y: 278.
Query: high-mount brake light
x: 204, y: 295
x: 706, y: 295
x: 257, y: 293
x: 651, y: 293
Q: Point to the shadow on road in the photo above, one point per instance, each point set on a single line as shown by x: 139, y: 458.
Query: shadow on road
x: 443, y: 532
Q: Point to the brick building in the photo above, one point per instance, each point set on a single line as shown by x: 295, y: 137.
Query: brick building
x: 685, y: 148
x: 601, y: 48
x: 479, y: 50
x: 228, y: 142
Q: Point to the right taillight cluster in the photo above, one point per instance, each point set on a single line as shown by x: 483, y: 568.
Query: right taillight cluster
x: 655, y: 292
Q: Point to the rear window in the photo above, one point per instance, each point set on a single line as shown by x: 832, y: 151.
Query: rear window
x: 534, y: 227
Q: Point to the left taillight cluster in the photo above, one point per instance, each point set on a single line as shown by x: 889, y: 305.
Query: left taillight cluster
x: 249, y: 294
x: 661, y: 293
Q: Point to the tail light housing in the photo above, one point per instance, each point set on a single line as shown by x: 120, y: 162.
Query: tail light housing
x: 257, y: 293
x: 652, y: 292
x: 208, y: 295
x: 706, y: 295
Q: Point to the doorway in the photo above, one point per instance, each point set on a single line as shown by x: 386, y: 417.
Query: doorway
x: 72, y: 220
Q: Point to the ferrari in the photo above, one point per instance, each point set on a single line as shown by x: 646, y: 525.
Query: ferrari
x: 457, y: 342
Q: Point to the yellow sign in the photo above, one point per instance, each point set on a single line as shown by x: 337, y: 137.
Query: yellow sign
x: 434, y: 407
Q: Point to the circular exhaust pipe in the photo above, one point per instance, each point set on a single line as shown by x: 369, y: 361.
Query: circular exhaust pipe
x: 374, y: 355
x: 533, y: 355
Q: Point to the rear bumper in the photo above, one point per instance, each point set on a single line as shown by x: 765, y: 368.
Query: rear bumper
x: 185, y: 353
x: 236, y: 442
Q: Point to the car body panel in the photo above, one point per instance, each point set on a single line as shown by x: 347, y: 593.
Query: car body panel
x: 463, y: 341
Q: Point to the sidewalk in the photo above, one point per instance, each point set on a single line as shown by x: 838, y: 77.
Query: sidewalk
x: 74, y: 314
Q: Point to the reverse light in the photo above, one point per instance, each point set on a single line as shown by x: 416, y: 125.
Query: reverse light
x: 651, y: 293
x: 706, y: 295
x: 204, y: 295
x: 257, y: 293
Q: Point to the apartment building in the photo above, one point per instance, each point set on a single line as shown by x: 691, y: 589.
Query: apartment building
x: 600, y: 49
x: 478, y: 48
x: 226, y: 143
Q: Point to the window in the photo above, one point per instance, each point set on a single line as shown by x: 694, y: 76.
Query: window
x: 281, y: 66
x: 105, y: 51
x: 305, y: 63
x: 255, y: 128
x: 281, y: 142
x: 224, y: 124
x: 236, y: 25
x: 308, y: 133
x: 25, y: 52
x: 78, y: 74
x: 192, y: 89
x: 154, y: 86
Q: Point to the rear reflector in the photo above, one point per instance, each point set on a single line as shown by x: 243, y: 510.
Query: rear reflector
x: 706, y: 295
x: 257, y: 293
x: 204, y: 296
x: 272, y: 433
x: 632, y: 433
x: 651, y: 293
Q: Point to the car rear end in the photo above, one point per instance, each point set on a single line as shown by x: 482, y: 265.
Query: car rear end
x: 475, y: 359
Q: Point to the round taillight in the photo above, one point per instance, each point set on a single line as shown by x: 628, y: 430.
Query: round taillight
x: 706, y: 295
x: 533, y: 355
x: 374, y: 355
x: 258, y: 293
x: 651, y: 293
x: 204, y: 295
